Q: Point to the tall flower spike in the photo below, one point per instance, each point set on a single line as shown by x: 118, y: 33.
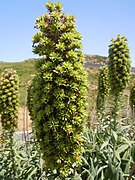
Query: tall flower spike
x: 59, y: 90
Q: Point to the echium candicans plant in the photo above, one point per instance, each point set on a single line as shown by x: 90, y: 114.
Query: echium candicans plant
x: 132, y: 100
x: 30, y: 97
x: 103, y: 89
x: 59, y: 92
x: 30, y: 100
x: 9, y: 99
x: 119, y: 69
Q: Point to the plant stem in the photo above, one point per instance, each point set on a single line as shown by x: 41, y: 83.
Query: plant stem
x: 12, y: 156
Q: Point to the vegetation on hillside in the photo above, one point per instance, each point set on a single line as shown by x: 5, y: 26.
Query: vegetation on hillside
x: 96, y: 59
x: 26, y: 69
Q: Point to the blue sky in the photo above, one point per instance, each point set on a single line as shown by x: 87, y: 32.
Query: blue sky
x: 97, y: 20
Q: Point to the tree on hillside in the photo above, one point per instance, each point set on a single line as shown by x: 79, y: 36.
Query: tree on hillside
x: 59, y: 89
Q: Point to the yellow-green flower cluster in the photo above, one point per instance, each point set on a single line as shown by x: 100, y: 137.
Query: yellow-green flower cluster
x: 9, y: 85
x: 119, y: 64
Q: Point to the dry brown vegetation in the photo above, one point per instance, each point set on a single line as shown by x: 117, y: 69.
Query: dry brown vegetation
x: 24, y: 122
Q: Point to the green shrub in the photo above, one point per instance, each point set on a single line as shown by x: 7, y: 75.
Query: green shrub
x: 29, y: 164
x: 107, y: 152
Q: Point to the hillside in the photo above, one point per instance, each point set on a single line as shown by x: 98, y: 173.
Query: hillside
x: 25, y: 70
x: 96, y: 59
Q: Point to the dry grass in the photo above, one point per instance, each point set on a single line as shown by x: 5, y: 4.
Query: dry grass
x: 24, y: 122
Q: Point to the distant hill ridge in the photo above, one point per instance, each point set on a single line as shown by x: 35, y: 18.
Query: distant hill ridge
x: 96, y: 59
x: 25, y: 70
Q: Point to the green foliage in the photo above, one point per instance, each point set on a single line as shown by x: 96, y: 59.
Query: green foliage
x: 103, y: 88
x: 107, y: 152
x: 59, y: 89
x: 133, y: 152
x: 9, y: 87
x: 28, y: 162
x: 132, y: 97
x: 119, y: 64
